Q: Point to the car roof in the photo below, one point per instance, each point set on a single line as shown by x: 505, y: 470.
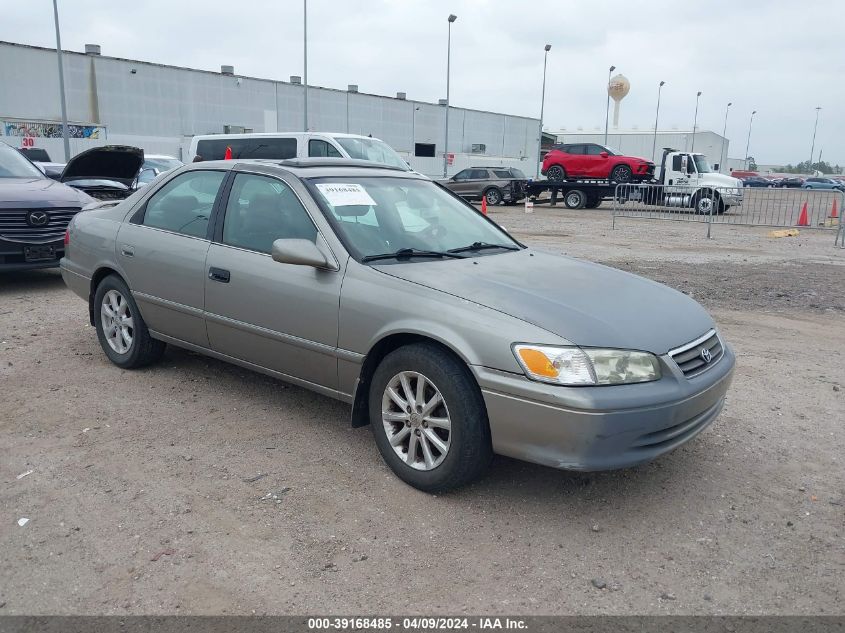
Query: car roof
x: 312, y: 167
x: 202, y: 137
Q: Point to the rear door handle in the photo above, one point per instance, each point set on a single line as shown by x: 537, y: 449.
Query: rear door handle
x: 127, y: 251
x: 219, y: 274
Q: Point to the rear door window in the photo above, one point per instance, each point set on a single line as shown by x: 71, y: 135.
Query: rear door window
x: 317, y: 147
x: 251, y: 147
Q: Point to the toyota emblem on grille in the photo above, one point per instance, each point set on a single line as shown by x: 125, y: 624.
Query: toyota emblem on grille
x: 705, y: 354
x: 37, y: 218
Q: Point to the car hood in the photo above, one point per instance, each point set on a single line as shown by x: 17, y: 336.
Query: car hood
x: 38, y: 192
x: 119, y: 163
x: 721, y: 180
x: 587, y: 304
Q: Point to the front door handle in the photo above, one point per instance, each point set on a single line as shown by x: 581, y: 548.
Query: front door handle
x: 127, y: 251
x: 219, y: 274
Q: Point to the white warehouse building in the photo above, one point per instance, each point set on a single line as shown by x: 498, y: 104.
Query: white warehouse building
x: 159, y: 108
x: 640, y: 143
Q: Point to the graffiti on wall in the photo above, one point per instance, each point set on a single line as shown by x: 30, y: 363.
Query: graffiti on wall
x: 52, y: 130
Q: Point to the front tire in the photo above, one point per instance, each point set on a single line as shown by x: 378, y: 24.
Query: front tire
x: 707, y: 202
x: 428, y: 418
x: 621, y: 173
x: 121, y: 330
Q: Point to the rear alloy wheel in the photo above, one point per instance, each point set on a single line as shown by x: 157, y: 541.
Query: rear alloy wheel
x: 621, y: 173
x: 556, y: 173
x: 493, y: 196
x: 428, y: 418
x: 575, y: 199
x: 120, y: 328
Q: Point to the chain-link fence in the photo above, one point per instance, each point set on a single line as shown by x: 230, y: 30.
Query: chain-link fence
x: 775, y: 207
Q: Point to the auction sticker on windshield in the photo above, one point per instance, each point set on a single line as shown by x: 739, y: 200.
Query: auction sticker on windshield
x: 339, y: 194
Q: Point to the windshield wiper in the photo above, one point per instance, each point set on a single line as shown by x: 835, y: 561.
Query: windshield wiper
x: 405, y: 253
x: 482, y: 246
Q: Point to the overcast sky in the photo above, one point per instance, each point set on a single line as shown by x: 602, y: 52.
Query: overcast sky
x: 781, y: 58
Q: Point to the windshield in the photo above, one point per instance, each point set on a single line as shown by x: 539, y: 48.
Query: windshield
x: 611, y: 151
x: 14, y: 165
x: 161, y: 164
x: 380, y: 215
x: 517, y: 173
x: 371, y: 149
x: 701, y: 164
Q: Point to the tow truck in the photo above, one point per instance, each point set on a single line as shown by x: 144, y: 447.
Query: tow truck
x: 685, y: 180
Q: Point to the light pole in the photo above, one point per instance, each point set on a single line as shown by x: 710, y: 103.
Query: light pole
x: 748, y: 142
x: 607, y: 107
x: 722, y: 157
x: 813, y: 146
x: 542, y: 107
x: 656, y: 115
x: 61, y: 82
x: 695, y: 120
x: 305, y: 57
x: 452, y: 18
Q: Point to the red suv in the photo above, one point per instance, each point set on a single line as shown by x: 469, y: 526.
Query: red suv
x: 590, y: 160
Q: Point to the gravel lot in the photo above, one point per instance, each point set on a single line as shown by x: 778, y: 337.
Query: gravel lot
x: 198, y: 487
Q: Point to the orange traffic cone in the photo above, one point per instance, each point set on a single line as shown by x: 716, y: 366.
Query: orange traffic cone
x: 228, y: 154
x: 484, y: 205
x: 802, y: 219
x: 834, y: 211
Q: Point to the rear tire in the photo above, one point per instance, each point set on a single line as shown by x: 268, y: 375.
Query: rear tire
x: 493, y: 195
x: 575, y: 199
x: 556, y: 173
x: 467, y: 444
x: 593, y: 201
x: 120, y: 327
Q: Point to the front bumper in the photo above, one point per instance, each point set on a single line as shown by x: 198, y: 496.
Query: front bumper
x: 13, y: 258
x: 601, y: 428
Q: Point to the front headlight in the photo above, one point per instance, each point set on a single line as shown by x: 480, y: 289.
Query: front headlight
x: 575, y: 366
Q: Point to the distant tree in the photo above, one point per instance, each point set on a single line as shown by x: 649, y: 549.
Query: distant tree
x: 752, y: 164
x: 804, y: 167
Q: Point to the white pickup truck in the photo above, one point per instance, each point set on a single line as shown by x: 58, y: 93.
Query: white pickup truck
x: 686, y: 180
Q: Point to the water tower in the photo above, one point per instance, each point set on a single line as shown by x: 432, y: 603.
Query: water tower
x: 618, y: 87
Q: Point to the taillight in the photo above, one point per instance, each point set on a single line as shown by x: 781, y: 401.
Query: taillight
x: 67, y: 237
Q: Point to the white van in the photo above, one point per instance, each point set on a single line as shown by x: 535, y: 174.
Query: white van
x: 280, y: 145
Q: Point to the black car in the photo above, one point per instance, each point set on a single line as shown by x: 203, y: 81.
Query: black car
x: 756, y: 181
x: 34, y: 213
x: 794, y: 182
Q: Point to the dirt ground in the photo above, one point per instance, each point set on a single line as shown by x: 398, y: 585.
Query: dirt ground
x: 195, y: 487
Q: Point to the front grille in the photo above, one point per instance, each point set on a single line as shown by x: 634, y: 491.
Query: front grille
x: 692, y: 358
x: 14, y: 225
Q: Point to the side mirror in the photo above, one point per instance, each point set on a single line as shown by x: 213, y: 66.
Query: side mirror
x: 604, y: 154
x: 301, y: 253
x: 716, y: 167
x: 684, y: 164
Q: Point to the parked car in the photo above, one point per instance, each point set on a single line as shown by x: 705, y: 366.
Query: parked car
x: 495, y: 184
x: 590, y: 160
x: 792, y: 182
x: 155, y: 165
x: 756, y: 181
x: 452, y: 340
x: 41, y: 159
x: 279, y: 146
x: 34, y: 213
x: 106, y: 173
x: 823, y: 183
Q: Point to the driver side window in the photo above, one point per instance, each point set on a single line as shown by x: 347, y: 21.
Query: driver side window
x: 184, y: 204
x: 463, y: 175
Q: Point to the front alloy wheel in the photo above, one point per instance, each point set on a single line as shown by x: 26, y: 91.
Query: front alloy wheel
x: 416, y: 420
